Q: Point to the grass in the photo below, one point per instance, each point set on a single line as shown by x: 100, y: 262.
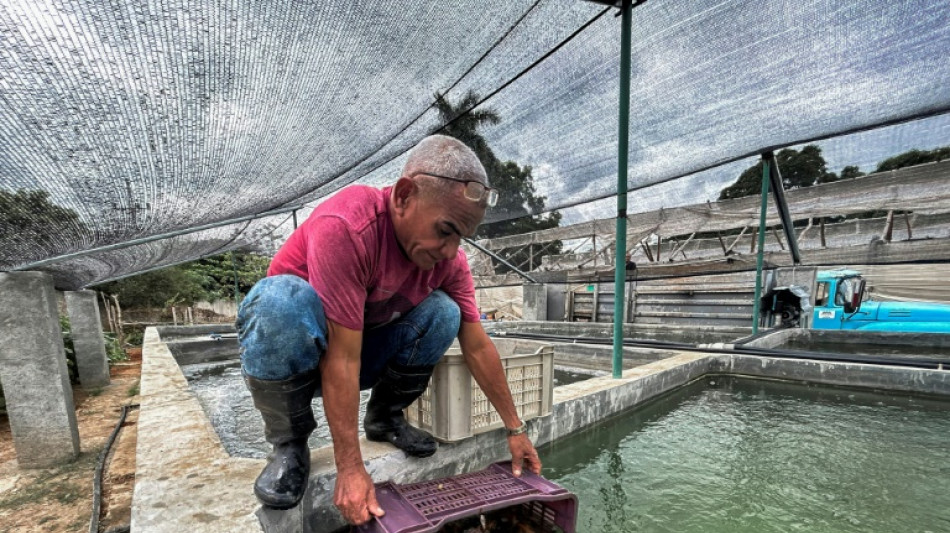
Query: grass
x: 53, y: 483
x: 134, y: 389
x: 114, y: 350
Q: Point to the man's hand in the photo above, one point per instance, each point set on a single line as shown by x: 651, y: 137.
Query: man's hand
x: 523, y: 455
x: 483, y: 361
x: 355, y: 496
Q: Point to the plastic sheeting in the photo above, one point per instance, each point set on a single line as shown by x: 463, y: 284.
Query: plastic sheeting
x: 143, y: 118
x: 920, y: 189
x: 918, y: 194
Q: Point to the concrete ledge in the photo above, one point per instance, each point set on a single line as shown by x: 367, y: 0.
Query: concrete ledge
x: 877, y: 377
x: 184, y: 480
x: 188, y: 351
x: 600, y: 357
x: 585, y: 403
x: 604, y: 330
x: 187, y: 482
x: 902, y: 344
x: 170, y: 333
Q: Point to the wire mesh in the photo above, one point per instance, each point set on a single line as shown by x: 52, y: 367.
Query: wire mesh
x: 130, y: 120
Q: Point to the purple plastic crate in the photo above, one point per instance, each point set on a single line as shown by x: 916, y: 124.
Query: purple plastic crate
x: 427, y: 506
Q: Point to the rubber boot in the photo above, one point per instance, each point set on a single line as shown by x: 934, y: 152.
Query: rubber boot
x: 288, y: 422
x: 384, y: 420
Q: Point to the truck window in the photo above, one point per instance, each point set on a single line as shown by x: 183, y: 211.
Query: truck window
x: 843, y: 294
x: 821, y: 296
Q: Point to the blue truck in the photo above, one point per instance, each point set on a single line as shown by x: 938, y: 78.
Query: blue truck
x: 841, y: 302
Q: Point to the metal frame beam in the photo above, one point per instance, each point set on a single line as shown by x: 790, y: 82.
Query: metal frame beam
x: 501, y: 259
x: 778, y: 194
x: 153, y: 238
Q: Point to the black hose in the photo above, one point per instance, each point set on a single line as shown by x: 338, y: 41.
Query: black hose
x: 100, y: 468
x: 930, y: 364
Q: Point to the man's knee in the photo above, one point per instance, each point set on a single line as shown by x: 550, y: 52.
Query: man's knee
x: 281, y: 328
x: 446, y: 315
x: 279, y: 298
x: 417, y: 340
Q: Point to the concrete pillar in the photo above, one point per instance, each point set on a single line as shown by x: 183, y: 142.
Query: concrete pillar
x: 91, y: 361
x: 33, y: 372
x: 535, y: 297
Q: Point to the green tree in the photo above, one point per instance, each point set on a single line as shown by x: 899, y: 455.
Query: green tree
x: 804, y: 168
x: 749, y: 183
x: 176, y: 285
x: 464, y: 126
x: 914, y: 157
x: 30, y: 218
x: 211, y: 278
x: 515, y: 183
x: 850, y: 172
x: 798, y: 169
x: 217, y: 273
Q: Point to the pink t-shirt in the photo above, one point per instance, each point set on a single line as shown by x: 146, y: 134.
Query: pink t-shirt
x: 347, y: 250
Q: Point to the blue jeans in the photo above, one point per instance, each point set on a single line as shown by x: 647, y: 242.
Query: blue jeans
x: 283, y: 332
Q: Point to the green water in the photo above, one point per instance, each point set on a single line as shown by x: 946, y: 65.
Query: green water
x: 738, y: 455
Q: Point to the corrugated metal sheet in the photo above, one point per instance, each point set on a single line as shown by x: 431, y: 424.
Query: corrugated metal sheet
x: 712, y: 300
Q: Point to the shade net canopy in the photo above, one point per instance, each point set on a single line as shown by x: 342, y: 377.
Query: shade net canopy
x: 124, y: 121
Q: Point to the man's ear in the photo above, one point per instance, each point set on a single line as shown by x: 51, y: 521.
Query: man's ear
x: 403, y: 190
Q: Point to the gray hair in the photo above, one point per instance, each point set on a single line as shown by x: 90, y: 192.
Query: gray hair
x: 444, y: 156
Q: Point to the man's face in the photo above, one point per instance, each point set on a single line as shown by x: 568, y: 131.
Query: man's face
x: 430, y: 231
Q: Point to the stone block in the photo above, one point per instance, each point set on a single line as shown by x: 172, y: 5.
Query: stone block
x: 92, y: 363
x: 33, y: 372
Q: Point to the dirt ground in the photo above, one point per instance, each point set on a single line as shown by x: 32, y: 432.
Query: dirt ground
x: 60, y: 499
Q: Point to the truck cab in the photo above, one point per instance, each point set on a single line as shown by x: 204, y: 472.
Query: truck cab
x: 842, y: 302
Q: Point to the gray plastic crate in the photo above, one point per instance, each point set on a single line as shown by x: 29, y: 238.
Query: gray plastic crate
x: 454, y: 406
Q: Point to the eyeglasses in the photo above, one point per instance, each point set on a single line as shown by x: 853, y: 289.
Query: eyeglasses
x: 474, y: 190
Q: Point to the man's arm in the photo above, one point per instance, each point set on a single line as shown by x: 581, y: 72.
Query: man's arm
x: 484, y: 363
x: 354, y: 495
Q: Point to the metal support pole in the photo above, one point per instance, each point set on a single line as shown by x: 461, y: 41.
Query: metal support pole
x: 593, y: 240
x: 501, y: 259
x: 761, y: 255
x: 735, y: 242
x: 778, y: 194
x: 889, y: 226
x: 623, y: 146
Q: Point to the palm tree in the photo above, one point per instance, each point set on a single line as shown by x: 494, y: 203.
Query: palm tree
x: 462, y: 122
x: 515, y: 184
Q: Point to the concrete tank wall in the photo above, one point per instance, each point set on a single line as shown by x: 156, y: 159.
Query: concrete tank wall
x: 187, y: 482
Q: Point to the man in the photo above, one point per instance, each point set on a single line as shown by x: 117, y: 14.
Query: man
x: 630, y: 264
x: 369, y: 292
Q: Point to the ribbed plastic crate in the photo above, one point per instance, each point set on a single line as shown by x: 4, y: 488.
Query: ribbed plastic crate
x: 454, y: 406
x: 428, y: 506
